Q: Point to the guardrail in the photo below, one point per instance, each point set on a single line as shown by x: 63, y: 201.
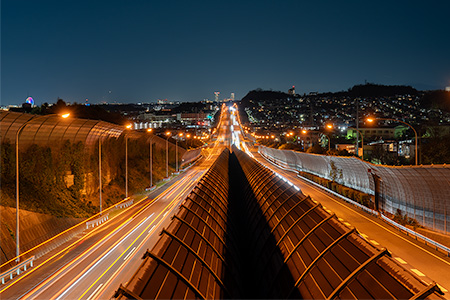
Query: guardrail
x: 16, y: 269
x: 97, y: 222
x: 393, y: 223
x: 417, y: 235
x: 124, y: 204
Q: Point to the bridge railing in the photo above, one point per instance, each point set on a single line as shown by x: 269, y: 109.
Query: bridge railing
x: 420, y: 192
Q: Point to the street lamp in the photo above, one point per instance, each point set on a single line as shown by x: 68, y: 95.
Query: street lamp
x: 187, y: 140
x: 126, y: 161
x: 409, y: 125
x: 176, y: 151
x: 100, y: 171
x: 167, y: 154
x: 151, y: 158
x: 64, y: 116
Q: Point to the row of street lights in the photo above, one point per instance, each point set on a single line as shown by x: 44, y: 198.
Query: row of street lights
x: 370, y: 120
x: 65, y: 116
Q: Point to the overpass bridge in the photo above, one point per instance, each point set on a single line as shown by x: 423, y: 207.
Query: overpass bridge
x: 244, y: 232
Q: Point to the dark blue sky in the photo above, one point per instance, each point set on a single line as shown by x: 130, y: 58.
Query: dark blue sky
x: 133, y: 50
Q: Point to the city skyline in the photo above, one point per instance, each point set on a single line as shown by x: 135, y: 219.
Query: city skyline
x: 141, y: 51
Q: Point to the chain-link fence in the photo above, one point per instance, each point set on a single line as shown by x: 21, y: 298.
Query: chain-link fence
x: 419, y: 192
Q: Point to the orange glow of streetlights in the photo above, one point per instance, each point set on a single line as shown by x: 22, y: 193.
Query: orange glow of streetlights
x: 370, y: 120
x: 128, y: 126
x: 329, y: 126
x: 167, y: 133
x: 188, y: 135
x: 304, y: 131
x: 65, y: 116
x: 149, y: 130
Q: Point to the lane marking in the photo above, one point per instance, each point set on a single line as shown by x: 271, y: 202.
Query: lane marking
x: 347, y: 224
x: 95, y: 292
x: 400, y: 260
x: 418, y: 272
x: 132, y: 243
x: 132, y: 250
x: 375, y: 242
x: 341, y: 220
x: 90, y: 267
x: 123, y: 265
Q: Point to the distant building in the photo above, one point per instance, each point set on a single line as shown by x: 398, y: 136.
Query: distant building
x: 447, y: 89
x: 380, y: 132
x: 232, y: 96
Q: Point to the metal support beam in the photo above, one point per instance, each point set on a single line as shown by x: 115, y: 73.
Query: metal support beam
x: 203, y: 262
x: 318, y: 257
x: 352, y: 275
x: 175, y: 272
x: 262, y: 216
x: 430, y: 289
x: 203, y: 238
x: 126, y: 292
x: 207, y: 202
x: 297, y: 221
x: 307, y: 235
x: 204, y: 222
x: 214, y: 193
x: 209, y: 214
x: 270, y: 218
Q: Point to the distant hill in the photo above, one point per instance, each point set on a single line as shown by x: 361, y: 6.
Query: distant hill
x: 375, y: 90
x: 262, y: 95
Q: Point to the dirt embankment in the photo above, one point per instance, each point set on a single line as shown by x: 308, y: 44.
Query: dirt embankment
x: 34, y: 229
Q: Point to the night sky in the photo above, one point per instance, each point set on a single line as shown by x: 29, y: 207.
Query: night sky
x: 141, y: 51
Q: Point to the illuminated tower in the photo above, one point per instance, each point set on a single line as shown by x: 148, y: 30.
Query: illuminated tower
x: 232, y: 96
x: 292, y: 90
x: 217, y: 96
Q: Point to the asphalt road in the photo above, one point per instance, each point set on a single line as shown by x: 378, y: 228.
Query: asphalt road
x: 94, y: 264
x: 424, y: 261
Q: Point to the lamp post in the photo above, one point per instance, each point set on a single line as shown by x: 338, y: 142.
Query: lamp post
x: 187, y: 140
x: 151, y: 158
x: 362, y: 141
x: 409, y: 125
x: 100, y: 171
x: 64, y: 116
x: 126, y: 161
x: 167, y: 154
x: 176, y: 151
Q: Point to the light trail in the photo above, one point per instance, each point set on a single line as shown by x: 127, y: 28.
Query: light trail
x: 80, y: 255
x: 125, y: 251
x: 68, y: 247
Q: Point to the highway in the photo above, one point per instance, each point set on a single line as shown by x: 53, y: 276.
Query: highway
x: 424, y: 261
x: 92, y: 266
